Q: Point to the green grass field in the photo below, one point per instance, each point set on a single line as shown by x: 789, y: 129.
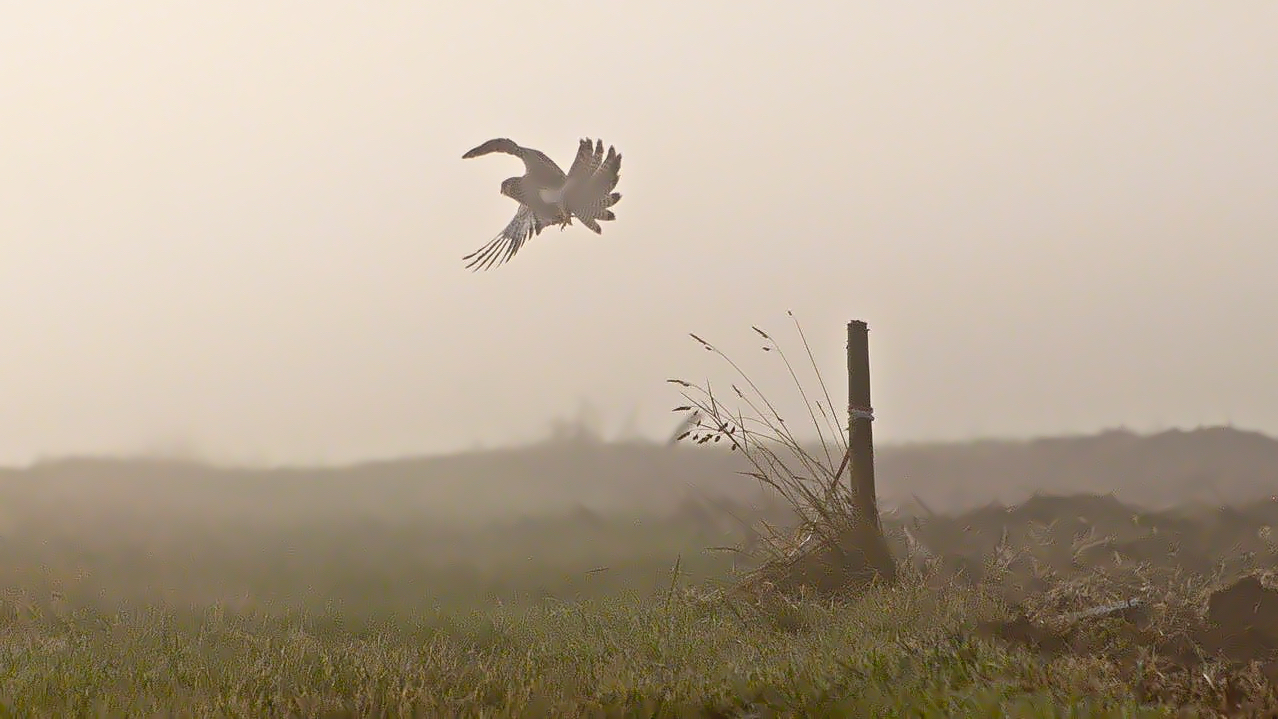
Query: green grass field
x: 152, y: 590
x: 578, y: 616
x: 894, y: 654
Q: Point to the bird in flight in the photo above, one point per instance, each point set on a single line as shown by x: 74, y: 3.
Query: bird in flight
x: 549, y: 196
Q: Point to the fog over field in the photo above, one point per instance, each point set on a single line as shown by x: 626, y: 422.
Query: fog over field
x: 237, y: 227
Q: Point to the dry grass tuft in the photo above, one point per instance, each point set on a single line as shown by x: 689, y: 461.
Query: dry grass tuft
x: 833, y: 550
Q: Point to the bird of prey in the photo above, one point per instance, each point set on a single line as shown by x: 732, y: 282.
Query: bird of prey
x: 549, y: 196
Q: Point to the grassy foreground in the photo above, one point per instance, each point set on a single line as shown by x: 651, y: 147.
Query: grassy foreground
x: 125, y: 610
x: 903, y: 652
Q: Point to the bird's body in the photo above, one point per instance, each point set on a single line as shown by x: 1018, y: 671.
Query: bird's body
x: 548, y: 196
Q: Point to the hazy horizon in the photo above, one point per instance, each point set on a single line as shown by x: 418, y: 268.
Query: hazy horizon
x: 238, y: 228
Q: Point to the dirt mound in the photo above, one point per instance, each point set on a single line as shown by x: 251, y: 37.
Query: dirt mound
x: 1053, y: 536
x: 1185, y: 599
x: 1225, y: 657
x: 1211, y: 464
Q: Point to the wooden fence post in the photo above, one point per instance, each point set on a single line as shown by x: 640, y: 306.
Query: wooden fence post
x: 860, y: 418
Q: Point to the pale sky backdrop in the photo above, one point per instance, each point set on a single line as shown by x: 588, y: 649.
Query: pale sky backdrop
x: 237, y: 226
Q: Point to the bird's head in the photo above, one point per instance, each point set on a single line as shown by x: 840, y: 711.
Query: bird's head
x: 510, y: 188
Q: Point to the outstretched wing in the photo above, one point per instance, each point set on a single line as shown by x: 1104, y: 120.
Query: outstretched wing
x: 588, y: 191
x: 589, y: 155
x: 501, y: 248
x: 536, y: 164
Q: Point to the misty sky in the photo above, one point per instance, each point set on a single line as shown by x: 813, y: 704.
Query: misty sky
x: 237, y: 227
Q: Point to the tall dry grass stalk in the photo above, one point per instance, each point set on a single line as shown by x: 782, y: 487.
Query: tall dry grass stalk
x: 834, y: 548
